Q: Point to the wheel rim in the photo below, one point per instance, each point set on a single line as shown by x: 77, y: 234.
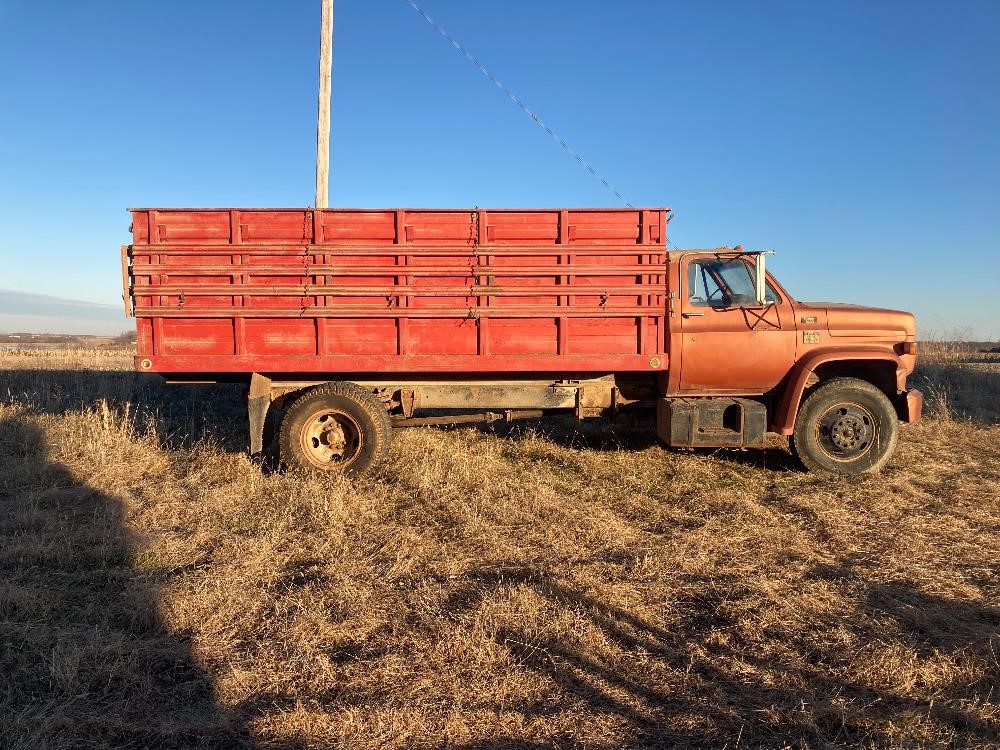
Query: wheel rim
x: 846, y: 432
x: 330, y: 438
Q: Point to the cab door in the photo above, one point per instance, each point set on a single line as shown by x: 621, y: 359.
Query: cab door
x: 729, y: 343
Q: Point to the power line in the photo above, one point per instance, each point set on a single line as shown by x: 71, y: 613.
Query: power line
x: 514, y: 98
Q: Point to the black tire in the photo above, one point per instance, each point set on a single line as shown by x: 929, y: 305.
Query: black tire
x: 845, y: 426
x: 335, y: 427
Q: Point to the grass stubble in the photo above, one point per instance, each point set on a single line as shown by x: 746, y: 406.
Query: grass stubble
x: 521, y: 587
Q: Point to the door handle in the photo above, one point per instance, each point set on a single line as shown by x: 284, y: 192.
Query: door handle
x: 692, y: 315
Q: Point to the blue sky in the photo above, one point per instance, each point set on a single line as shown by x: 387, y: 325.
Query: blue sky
x: 857, y: 139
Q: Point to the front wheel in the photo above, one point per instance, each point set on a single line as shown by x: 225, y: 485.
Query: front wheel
x: 335, y: 427
x: 846, y: 426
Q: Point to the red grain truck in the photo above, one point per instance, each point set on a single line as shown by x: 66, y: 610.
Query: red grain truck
x: 348, y: 323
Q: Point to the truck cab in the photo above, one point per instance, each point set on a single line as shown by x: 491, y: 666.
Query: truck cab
x: 745, y: 355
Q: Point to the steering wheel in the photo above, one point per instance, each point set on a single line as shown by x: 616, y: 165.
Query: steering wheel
x: 717, y: 295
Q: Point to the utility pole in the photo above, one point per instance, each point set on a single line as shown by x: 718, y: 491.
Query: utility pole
x: 323, y: 114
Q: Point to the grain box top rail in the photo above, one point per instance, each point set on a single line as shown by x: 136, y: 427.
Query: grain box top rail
x: 404, y: 208
x: 173, y: 227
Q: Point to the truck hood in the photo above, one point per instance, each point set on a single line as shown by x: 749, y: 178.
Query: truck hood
x: 868, y: 322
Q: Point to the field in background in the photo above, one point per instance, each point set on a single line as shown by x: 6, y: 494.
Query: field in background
x: 526, y: 587
x: 64, y: 341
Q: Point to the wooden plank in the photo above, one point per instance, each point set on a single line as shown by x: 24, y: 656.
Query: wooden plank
x: 323, y: 105
x: 126, y: 281
x: 437, y: 249
x: 594, y: 313
x: 391, y: 290
x: 331, y: 266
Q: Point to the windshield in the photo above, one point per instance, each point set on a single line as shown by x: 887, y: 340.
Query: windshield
x: 724, y: 282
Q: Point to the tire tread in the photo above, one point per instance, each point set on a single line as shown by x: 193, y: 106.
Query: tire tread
x: 799, y: 444
x: 364, y: 399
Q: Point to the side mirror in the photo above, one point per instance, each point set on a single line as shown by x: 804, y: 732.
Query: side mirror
x: 760, y: 278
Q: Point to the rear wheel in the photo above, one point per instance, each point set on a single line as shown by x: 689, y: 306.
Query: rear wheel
x: 335, y: 427
x: 846, y: 426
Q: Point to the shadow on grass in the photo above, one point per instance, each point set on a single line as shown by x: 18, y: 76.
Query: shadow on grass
x: 87, y: 662
x: 629, y: 432
x: 182, y: 414
x: 84, y: 658
x: 730, y: 692
x: 186, y: 414
x: 632, y: 434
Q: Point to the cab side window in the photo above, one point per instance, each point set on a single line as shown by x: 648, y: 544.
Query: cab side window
x: 703, y: 286
x: 723, y: 283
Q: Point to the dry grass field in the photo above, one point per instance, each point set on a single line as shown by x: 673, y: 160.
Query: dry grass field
x: 526, y: 587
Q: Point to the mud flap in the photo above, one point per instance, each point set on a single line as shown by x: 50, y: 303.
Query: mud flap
x: 258, y: 401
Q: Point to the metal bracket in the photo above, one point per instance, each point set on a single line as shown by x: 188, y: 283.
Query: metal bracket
x: 408, y: 401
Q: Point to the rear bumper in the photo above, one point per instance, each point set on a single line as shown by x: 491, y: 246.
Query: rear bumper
x: 910, y: 405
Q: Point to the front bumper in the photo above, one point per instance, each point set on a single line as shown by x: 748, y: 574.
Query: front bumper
x: 910, y: 405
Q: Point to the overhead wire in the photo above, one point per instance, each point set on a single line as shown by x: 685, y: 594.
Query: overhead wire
x: 517, y: 100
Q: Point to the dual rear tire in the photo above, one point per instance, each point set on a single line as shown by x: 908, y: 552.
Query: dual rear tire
x: 335, y: 427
